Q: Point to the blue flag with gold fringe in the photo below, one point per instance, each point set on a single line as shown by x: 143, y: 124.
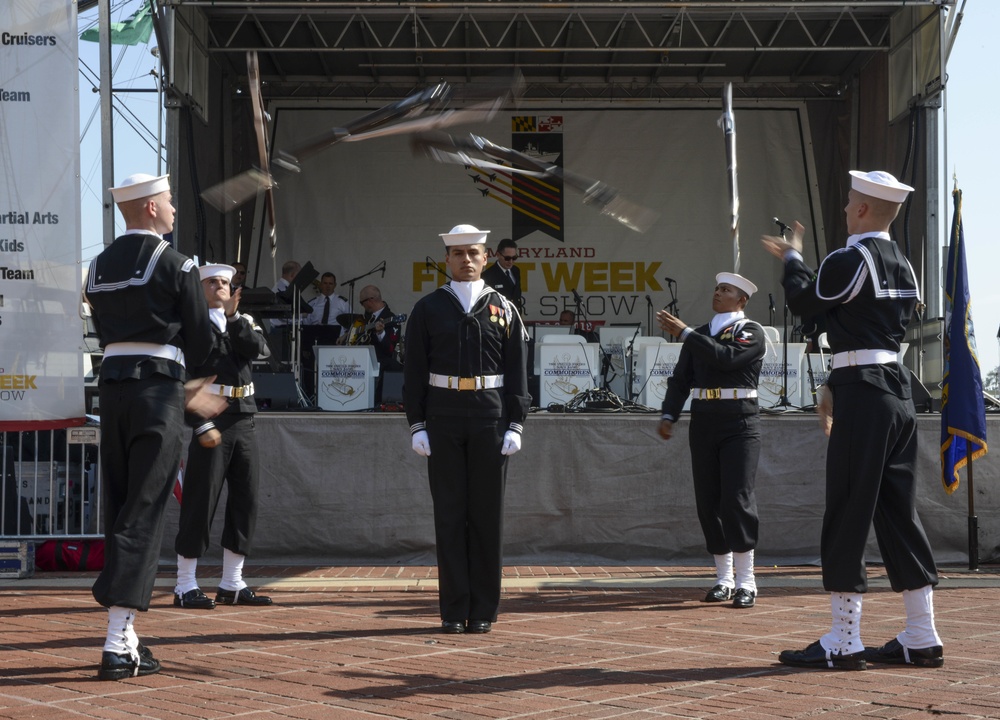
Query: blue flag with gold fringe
x: 963, y: 412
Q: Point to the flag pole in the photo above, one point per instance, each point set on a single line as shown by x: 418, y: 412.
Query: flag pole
x: 973, y: 520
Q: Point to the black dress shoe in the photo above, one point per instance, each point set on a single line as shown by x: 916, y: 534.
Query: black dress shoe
x: 720, y: 593
x: 744, y: 599
x: 453, y: 627
x: 246, y: 596
x: 194, y: 599
x: 893, y: 652
x: 480, y: 626
x: 815, y: 656
x: 119, y: 667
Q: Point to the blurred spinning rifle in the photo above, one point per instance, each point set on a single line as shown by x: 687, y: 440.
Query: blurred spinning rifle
x: 397, y: 118
x: 476, y: 151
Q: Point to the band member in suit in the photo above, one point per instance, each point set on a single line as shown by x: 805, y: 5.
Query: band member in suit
x: 719, y: 367
x: 225, y: 452
x: 867, y: 292
x: 466, y: 397
x: 151, y: 317
x: 504, y: 276
x: 383, y: 334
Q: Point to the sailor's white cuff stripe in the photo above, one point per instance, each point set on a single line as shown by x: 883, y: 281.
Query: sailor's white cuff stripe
x: 417, y: 427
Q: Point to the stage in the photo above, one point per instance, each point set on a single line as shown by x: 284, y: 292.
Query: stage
x: 587, y: 489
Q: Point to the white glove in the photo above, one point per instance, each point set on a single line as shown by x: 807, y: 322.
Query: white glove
x: 421, y: 443
x: 511, y: 443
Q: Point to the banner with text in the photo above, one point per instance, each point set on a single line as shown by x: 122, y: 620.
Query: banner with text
x: 41, y: 333
x: 358, y: 204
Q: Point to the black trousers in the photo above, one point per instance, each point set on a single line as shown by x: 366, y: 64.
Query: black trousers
x: 142, y: 432
x: 233, y: 462
x: 870, y: 477
x: 724, y: 454
x: 467, y: 480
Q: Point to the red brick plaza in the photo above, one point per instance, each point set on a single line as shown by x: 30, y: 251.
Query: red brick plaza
x: 610, y: 642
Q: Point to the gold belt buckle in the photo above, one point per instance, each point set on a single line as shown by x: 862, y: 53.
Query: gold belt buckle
x: 238, y: 392
x: 466, y: 383
x: 713, y: 393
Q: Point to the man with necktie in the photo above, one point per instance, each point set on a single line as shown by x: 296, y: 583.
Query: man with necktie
x: 327, y: 307
x: 505, y: 277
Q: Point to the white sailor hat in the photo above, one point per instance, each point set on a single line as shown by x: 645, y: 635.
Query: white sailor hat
x: 464, y: 235
x: 879, y: 184
x: 737, y: 281
x: 217, y: 270
x: 139, y: 185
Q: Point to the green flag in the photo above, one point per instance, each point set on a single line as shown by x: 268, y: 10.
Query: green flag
x: 132, y: 31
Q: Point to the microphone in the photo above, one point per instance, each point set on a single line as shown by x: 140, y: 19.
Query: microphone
x: 770, y: 298
x: 670, y: 280
x: 781, y: 226
x: 383, y: 268
x: 429, y: 261
x: 648, y: 301
x: 576, y: 297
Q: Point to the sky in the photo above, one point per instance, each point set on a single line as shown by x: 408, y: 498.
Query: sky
x: 971, y: 106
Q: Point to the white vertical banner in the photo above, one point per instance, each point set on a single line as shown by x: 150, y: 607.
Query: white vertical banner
x: 41, y: 333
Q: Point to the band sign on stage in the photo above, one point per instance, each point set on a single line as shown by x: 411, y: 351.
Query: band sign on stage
x: 346, y: 377
x: 567, y: 368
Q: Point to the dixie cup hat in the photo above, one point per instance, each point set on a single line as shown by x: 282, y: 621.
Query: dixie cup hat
x: 879, y: 184
x: 139, y: 185
x: 737, y: 281
x: 464, y: 235
x: 217, y: 270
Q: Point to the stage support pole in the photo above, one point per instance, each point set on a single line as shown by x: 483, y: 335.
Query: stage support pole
x: 973, y: 520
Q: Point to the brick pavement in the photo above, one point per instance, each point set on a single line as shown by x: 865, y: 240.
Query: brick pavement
x: 571, y: 643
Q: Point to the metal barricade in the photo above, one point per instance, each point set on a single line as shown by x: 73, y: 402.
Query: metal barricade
x: 51, y: 484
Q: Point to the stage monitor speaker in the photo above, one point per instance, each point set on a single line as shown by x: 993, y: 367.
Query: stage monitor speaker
x: 392, y: 386
x: 923, y: 401
x: 275, y: 391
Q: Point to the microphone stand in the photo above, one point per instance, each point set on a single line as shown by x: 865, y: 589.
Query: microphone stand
x: 672, y: 305
x: 350, y: 283
x: 649, y: 316
x: 783, y: 400
x: 580, y: 313
x: 583, y: 321
x: 809, y: 369
x: 430, y: 263
x: 630, y: 366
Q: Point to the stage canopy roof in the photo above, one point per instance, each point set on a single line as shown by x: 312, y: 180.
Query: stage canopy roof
x: 596, y: 49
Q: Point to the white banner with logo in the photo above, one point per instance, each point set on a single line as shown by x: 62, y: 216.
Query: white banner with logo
x: 41, y: 333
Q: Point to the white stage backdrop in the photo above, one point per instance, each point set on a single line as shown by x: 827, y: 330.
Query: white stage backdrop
x: 357, y: 204
x: 41, y: 366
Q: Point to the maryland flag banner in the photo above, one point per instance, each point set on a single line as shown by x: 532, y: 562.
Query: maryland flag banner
x: 536, y: 204
x: 963, y: 413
